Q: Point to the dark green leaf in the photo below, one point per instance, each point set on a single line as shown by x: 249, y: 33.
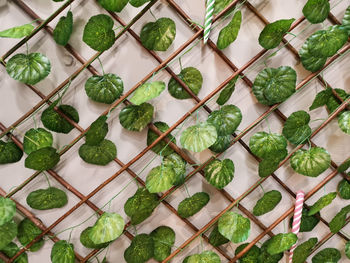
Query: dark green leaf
x: 327, y: 255
x: 321, y: 98
x: 234, y: 226
x: 267, y: 145
x: 347, y: 249
x: 87, y: 242
x: 62, y: 252
x: 43, y: 199
x: 160, y: 179
x: 333, y: 102
x: 204, y: 257
x: 138, y: 3
x: 270, y: 164
x: 308, y: 223
x: 18, y: 31
x: 265, y: 257
x: 9, y: 152
x: 164, y: 239
x: 321, y: 203
x: 136, y: 117
x: 101, y: 154
x: 10, y: 250
x: 267, y: 203
x: 309, y: 61
x: 346, y: 20
x: 302, y: 252
x: 97, y: 132
x: 27, y: 231
x: 140, y: 250
x: 226, y: 120
x: 316, y: 11
x: 7, y: 210
x: 199, y: 137
x: 344, y: 166
x: 176, y: 162
x: 296, y: 129
x: 281, y: 242
x: 338, y: 222
x: 63, y: 29
x: 43, y: 159
x: 160, y: 147
x: 35, y: 139
x: 147, y: 91
x: 344, y: 121
x: 251, y: 256
x: 222, y: 143
x: 226, y: 93
x: 229, y: 33
x: 113, y: 5
x: 219, y: 173
x: 344, y: 189
x: 216, y: 239
x: 192, y: 205
x: 8, y: 232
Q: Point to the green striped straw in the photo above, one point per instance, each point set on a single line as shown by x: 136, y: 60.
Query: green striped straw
x: 208, y: 19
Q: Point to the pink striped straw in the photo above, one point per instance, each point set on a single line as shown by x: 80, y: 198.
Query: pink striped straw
x: 297, y: 219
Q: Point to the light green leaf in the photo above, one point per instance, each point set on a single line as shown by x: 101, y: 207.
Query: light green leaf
x: 176, y: 162
x: 267, y: 203
x: 138, y: 3
x: 226, y: 93
x: 216, y: 239
x: 140, y: 250
x: 9, y: 152
x: 44, y: 199
x: 281, y: 242
x: 161, y: 147
x: 346, y: 19
x: 27, y: 231
x: 327, y: 255
x: 35, y: 139
x: 234, y: 227
x: 338, y: 222
x: 219, y: 173
x: 101, y: 154
x: 321, y: 98
x: 97, y: 132
x: 63, y: 29
x: 62, y: 252
x: 344, y: 122
x: 302, y: 252
x: 160, y: 179
x: 222, y: 143
x: 226, y: 120
x: 321, y: 203
x: 42, y: 159
x: 7, y: 210
x: 8, y: 232
x: 267, y: 145
x: 193, y: 79
x: 87, y: 242
x: 229, y: 33
x: 344, y: 189
x: 192, y: 205
x: 113, y: 5
x: 18, y: 31
x: 199, y: 137
x: 204, y: 257
x: 136, y: 117
x: 316, y: 11
x: 147, y: 91
x: 164, y: 239
x: 251, y: 256
x: 296, y: 129
x: 309, y: 61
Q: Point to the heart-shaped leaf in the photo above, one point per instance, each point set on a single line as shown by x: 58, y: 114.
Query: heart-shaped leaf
x: 140, y: 250
x: 226, y: 93
x: 267, y: 203
x: 310, y: 162
x: 296, y: 129
x: 158, y: 35
x: 273, y: 33
x: 63, y: 29
x: 161, y: 147
x: 216, y: 239
x: 344, y: 189
x: 176, y: 162
x: 97, y: 132
x: 316, y: 11
x: 265, y: 256
x: 229, y: 33
x: 249, y: 257
x: 18, y: 31
x: 113, y: 5
x: 274, y: 85
x: 7, y: 210
x: 226, y: 120
x: 204, y: 257
x: 346, y: 20
x: 338, y: 222
x: 321, y: 203
x: 138, y: 3
x: 267, y: 145
x: 8, y: 232
x: 98, y: 32
x: 307, y: 222
x: 344, y: 166
x: 302, y: 252
x: 147, y: 91
x: 327, y: 255
x: 29, y: 69
x: 42, y: 159
x: 27, y: 231
x: 344, y: 121
x: 136, y: 117
x: 160, y: 179
x: 309, y: 61
x: 62, y: 252
x: 192, y: 205
x: 270, y: 164
x: 35, y: 139
x: 234, y: 227
x: 321, y: 98
x: 219, y: 173
x: 281, y: 242
x: 199, y: 137
x: 101, y: 154
x: 104, y: 89
x: 44, y: 199
x: 193, y: 79
x: 11, y: 250
x: 164, y: 239
x: 9, y: 152
x: 87, y: 242
x: 222, y: 143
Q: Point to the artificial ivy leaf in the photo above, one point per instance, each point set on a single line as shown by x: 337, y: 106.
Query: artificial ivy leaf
x: 316, y: 11
x: 10, y: 250
x: 140, y: 250
x: 44, y: 199
x: 325, y: 43
x: 251, y: 256
x: 265, y: 256
x: 87, y: 242
x: 101, y: 154
x: 147, y: 91
x: 229, y: 33
x: 42, y: 159
x: 226, y: 93
x: 104, y: 89
x: 160, y: 179
x: 309, y: 61
x: 226, y: 120
x: 193, y: 79
x: 296, y: 129
x: 332, y: 103
x: 53, y: 121
x: 164, y: 239
x: 18, y: 31
x: 321, y: 98
x: 141, y: 205
x: 7, y: 210
x: 274, y: 85
x: 270, y: 164
x: 216, y: 239
x: 63, y: 29
x: 308, y: 222
x: 113, y: 5
x: 344, y: 166
x: 222, y: 143
x: 176, y: 162
x: 344, y: 189
x: 234, y: 226
x: 302, y: 252
x: 138, y: 3
x: 199, y: 137
x: 8, y: 232
x: 98, y: 32
x: 192, y: 205
x: 346, y: 19
x: 273, y: 33
x: 267, y: 145
x: 107, y: 228
x: 27, y: 231
x: 327, y: 255
x: 347, y: 249
x: 220, y: 5
x: 35, y: 139
x: 9, y: 152
x: 204, y: 257
x: 158, y: 35
x: 281, y: 242
x: 62, y: 252
x: 29, y: 69
x: 310, y: 162
x: 97, y: 132
x: 136, y: 117
x: 219, y: 173
x: 344, y: 121
x: 161, y: 147
x: 321, y: 203
x: 267, y: 203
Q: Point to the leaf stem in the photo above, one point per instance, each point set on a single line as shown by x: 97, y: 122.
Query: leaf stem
x: 99, y: 60
x: 152, y: 14
x: 47, y: 179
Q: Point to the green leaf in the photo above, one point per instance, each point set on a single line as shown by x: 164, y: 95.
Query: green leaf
x: 321, y: 98
x: 44, y: 199
x: 160, y: 179
x: 229, y: 33
x: 226, y: 93
x: 88, y: 243
x: 226, y: 120
x: 267, y: 145
x: 98, y: 32
x: 62, y: 252
x: 138, y: 3
x: 316, y: 11
x: 97, y: 132
x: 273, y: 33
x: 346, y: 20
x: 270, y: 164
x: 29, y: 69
x: 158, y: 35
x: 296, y: 129
x: 344, y: 189
x: 281, y: 242
x: 234, y: 226
x: 8, y: 232
x: 274, y: 85
x: 9, y: 152
x: 204, y: 257
x: 53, y: 121
x: 63, y: 29
x: 18, y: 31
x: 7, y: 210
x: 251, y: 256
x: 221, y: 5
x: 310, y: 162
x: 302, y: 252
x: 333, y: 102
x: 140, y: 250
x: 136, y: 117
x: 107, y: 228
x: 104, y: 89
x: 216, y: 239
x: 344, y: 166
x: 164, y: 239
x: 10, y: 250
x: 147, y: 91
x: 338, y: 222
x: 43, y: 159
x: 101, y: 154
x: 325, y: 43
x: 176, y: 162
x: 344, y: 122
x: 267, y: 203
x: 35, y: 139
x: 219, y: 173
x: 192, y: 205
x: 141, y: 205
x: 193, y: 79
x: 321, y: 203
x: 265, y: 257
x: 222, y: 143
x: 308, y: 222
x: 28, y: 231
x: 327, y: 255
x: 113, y: 5
x: 161, y: 147
x: 199, y: 137
x: 347, y: 249
x: 309, y: 61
